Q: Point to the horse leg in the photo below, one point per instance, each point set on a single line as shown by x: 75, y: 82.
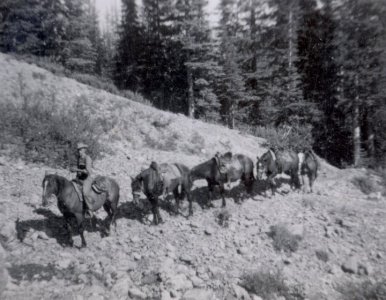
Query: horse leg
x: 159, y: 218
x: 107, y: 222
x: 224, y: 204
x: 210, y: 191
x: 177, y: 198
x: 189, y: 196
x: 154, y: 204
x: 80, y: 220
x: 272, y: 184
x: 311, y: 181
x: 69, y: 230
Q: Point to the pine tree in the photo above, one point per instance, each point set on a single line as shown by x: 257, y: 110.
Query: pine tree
x: 32, y: 26
x: 80, y: 53
x: 128, y: 47
x: 360, y: 71
x: 197, y: 49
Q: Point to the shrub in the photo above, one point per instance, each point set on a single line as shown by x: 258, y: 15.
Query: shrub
x: 322, y: 255
x: 298, y: 138
x: 135, y: 97
x: 270, y: 285
x: 364, y: 184
x: 283, y: 239
x: 48, y: 132
x: 96, y: 82
x: 165, y: 143
x: 223, y: 217
x: 365, y: 290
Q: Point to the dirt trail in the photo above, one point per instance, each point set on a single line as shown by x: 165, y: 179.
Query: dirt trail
x: 140, y: 261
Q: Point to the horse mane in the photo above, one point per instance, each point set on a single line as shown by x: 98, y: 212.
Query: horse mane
x: 272, y: 151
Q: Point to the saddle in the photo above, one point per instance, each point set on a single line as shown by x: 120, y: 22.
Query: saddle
x: 99, y: 185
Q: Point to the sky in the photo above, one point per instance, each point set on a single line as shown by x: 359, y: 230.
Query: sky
x: 104, y: 6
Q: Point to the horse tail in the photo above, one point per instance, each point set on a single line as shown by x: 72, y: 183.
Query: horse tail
x: 185, y: 174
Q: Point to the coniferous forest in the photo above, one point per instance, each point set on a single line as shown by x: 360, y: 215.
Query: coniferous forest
x: 315, y: 65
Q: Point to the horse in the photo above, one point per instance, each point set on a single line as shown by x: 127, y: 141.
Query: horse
x: 70, y: 203
x: 159, y: 180
x: 273, y: 163
x: 223, y: 169
x: 309, y: 166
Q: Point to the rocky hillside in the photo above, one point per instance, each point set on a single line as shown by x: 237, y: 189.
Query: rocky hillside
x: 331, y: 241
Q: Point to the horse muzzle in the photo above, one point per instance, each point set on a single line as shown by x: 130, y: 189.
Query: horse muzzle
x: 48, y: 200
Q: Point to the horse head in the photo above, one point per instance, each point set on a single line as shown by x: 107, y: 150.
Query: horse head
x: 262, y: 164
x: 223, y: 161
x: 50, y: 188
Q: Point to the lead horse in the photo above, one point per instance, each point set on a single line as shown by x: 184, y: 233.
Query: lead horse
x: 222, y: 169
x: 71, y: 206
x: 272, y: 163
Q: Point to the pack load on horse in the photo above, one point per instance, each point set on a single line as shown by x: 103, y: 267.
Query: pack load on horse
x: 160, y: 180
x: 308, y: 165
x: 71, y: 205
x: 274, y: 162
x: 222, y: 169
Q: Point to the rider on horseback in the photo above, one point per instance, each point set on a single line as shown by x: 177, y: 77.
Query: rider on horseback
x: 83, y: 174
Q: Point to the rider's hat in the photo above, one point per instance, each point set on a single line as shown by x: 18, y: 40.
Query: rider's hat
x: 81, y: 146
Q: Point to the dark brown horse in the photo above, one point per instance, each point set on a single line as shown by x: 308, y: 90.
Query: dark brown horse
x: 70, y: 203
x: 223, y: 169
x: 272, y: 163
x: 159, y: 180
x: 309, y: 166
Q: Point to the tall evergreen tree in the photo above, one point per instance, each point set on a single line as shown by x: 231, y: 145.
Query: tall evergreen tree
x: 128, y: 47
x: 360, y: 68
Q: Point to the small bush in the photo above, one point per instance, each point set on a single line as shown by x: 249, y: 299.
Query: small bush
x: 165, y: 143
x: 96, y: 82
x: 322, y: 255
x: 298, y: 138
x: 161, y: 122
x: 195, y: 144
x: 270, y: 285
x: 366, y: 290
x: 283, y: 239
x: 135, y: 97
x: 223, y: 217
x: 364, y: 184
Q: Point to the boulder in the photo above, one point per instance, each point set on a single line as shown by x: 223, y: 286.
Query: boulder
x: 3, y: 271
x: 8, y: 232
x: 180, y: 282
x: 136, y: 294
x: 351, y: 265
x: 121, y: 287
x: 240, y: 292
x: 200, y: 294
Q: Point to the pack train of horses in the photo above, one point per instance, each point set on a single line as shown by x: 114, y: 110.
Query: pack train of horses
x: 161, y: 179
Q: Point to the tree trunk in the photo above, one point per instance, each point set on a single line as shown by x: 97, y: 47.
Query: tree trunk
x: 356, y: 127
x: 191, y: 106
x: 370, y: 138
x: 290, y: 36
x: 231, y: 116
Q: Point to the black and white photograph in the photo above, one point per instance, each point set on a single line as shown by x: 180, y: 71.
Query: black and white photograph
x: 193, y: 149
